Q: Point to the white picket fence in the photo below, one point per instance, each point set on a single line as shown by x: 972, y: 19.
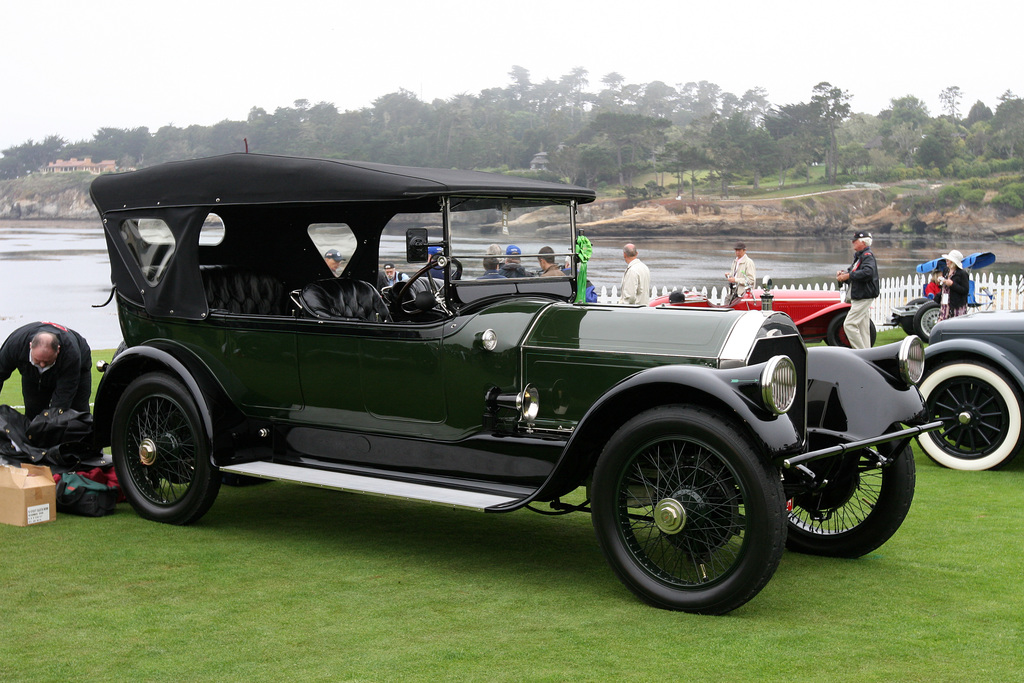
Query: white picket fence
x: 991, y: 291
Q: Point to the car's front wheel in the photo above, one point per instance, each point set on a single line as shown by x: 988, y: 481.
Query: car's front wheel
x: 161, y: 453
x: 980, y: 408
x: 859, y: 507
x: 687, y: 514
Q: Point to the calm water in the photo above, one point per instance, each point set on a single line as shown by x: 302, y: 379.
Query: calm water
x: 58, y: 270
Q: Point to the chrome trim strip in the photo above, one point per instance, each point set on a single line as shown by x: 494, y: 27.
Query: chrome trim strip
x: 741, y: 339
x: 619, y: 353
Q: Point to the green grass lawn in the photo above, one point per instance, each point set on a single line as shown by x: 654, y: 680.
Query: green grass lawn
x: 283, y: 582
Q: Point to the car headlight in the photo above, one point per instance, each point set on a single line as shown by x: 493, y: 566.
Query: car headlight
x: 526, y: 403
x: 529, y: 405
x: 911, y: 359
x: 778, y: 384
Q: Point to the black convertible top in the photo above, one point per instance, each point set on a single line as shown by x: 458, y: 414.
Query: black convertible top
x: 241, y: 178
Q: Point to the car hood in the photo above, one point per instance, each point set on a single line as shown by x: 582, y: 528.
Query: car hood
x: 978, y: 324
x: 712, y: 334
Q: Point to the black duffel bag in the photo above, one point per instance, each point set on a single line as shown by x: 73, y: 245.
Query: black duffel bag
x: 80, y: 495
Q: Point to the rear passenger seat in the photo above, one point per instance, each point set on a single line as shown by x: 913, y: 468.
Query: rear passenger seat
x: 240, y: 290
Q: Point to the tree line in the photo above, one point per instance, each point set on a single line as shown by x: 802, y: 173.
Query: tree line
x: 609, y: 135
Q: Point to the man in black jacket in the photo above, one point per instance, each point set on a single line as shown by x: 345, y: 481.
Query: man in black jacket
x: 55, y: 365
x: 863, y: 278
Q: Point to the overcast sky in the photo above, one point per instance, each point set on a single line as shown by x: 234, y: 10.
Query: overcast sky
x: 71, y: 68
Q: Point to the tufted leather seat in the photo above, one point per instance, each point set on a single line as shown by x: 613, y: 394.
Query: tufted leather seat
x: 344, y: 298
x: 243, y: 291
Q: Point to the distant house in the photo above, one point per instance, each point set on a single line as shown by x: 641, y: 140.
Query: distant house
x: 74, y: 165
x: 539, y: 162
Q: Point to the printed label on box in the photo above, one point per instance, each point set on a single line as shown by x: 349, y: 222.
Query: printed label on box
x: 39, y: 513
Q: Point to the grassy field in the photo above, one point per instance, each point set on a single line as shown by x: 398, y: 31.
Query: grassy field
x: 282, y: 582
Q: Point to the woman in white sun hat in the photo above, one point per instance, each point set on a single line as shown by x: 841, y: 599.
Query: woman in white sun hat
x: 955, y: 286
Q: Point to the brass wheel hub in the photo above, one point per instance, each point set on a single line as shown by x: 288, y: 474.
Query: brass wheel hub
x: 147, y: 452
x: 669, y: 516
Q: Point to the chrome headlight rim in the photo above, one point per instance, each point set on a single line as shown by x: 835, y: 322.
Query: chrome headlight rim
x: 778, y: 384
x: 528, y: 403
x: 911, y: 359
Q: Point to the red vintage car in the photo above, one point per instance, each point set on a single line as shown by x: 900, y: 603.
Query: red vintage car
x: 818, y: 314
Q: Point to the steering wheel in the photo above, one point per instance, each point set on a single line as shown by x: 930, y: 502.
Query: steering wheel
x: 405, y: 298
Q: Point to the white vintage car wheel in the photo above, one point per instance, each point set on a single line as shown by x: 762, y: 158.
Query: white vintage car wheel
x: 982, y: 411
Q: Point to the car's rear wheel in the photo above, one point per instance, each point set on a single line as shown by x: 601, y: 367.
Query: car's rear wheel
x: 859, y: 508
x: 687, y: 514
x: 836, y: 335
x: 925, y: 318
x: 907, y: 320
x: 981, y: 412
x: 161, y: 453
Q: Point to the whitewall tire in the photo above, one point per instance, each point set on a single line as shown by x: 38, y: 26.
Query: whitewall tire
x: 981, y: 409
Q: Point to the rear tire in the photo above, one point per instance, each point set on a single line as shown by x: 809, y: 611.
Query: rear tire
x: 924, y: 320
x: 688, y: 515
x: 836, y: 335
x: 161, y: 452
x: 907, y: 320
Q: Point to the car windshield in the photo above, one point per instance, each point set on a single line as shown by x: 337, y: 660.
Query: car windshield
x: 489, y: 236
x: 516, y: 234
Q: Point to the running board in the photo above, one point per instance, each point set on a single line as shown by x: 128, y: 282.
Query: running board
x: 353, y: 483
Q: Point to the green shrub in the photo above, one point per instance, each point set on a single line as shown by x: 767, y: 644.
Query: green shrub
x: 973, y: 196
x: 1010, y: 201
x: 950, y: 195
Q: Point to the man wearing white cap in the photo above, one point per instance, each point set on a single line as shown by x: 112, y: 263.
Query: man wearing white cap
x: 863, y: 278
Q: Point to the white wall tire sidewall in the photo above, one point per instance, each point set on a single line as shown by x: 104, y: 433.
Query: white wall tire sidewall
x: 929, y: 441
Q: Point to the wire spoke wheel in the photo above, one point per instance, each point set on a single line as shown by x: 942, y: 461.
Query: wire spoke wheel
x: 161, y: 452
x: 166, y: 466
x: 709, y: 543
x: 688, y: 515
x: 843, y: 505
x: 857, y: 507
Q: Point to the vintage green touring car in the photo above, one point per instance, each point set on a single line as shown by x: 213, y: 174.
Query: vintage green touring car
x: 706, y: 441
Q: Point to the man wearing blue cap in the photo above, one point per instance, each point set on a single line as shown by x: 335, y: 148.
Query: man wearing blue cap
x: 333, y: 259
x: 512, y: 267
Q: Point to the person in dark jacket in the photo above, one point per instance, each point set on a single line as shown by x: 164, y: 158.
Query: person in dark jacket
x: 955, y: 286
x: 55, y: 365
x: 863, y: 278
x: 512, y: 266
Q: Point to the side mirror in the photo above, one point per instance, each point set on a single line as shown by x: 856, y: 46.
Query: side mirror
x: 416, y: 245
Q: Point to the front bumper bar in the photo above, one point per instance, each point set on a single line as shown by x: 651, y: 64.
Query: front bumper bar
x: 839, y: 449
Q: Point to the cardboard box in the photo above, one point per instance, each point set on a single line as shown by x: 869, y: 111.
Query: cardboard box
x: 27, y: 495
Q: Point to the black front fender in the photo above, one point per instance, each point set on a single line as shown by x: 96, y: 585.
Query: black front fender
x: 217, y: 413
x: 726, y: 391
x: 849, y: 394
x: 975, y: 349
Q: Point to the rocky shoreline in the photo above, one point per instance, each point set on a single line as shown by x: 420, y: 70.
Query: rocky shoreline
x: 824, y: 215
